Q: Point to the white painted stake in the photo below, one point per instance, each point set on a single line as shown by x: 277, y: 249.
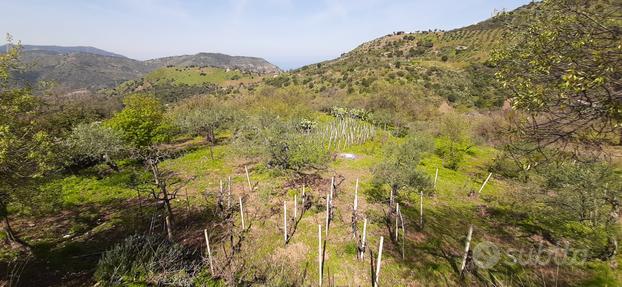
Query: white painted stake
x: 421, y: 208
x: 319, y: 252
x: 327, y: 212
x: 397, y: 227
x: 303, y: 190
x: 248, y: 179
x: 378, y: 262
x: 467, y: 246
x: 435, y: 178
x: 169, y: 233
x: 363, y: 241
x: 484, y: 184
x: 356, y: 195
x: 209, y: 252
x: 285, y: 221
x: 242, y: 214
x: 229, y: 192
x: 403, y: 234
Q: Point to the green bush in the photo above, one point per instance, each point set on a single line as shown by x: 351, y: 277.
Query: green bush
x: 455, y: 140
x: 147, y: 260
x: 452, y: 154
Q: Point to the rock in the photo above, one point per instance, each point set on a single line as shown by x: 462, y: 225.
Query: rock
x: 347, y: 155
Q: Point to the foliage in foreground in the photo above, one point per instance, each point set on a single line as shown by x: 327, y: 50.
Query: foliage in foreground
x: 148, y: 260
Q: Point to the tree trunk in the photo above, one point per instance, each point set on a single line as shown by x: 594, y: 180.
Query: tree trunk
x: 111, y: 163
x: 211, y: 139
x: 11, y: 237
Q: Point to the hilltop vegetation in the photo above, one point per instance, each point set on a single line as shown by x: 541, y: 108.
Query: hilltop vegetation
x: 478, y: 157
x: 69, y: 69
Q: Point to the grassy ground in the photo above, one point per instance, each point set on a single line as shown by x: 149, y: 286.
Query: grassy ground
x: 198, y: 76
x: 97, y: 211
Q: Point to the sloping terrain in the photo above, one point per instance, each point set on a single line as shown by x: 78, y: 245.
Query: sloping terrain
x: 250, y: 64
x: 77, y: 68
x: 66, y: 50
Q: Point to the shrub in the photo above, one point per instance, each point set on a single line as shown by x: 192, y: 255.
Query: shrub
x: 455, y: 140
x: 147, y: 260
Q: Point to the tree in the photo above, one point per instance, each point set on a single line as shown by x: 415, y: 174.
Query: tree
x: 141, y: 123
x: 203, y: 115
x: 586, y: 194
x: 563, y: 68
x: 96, y: 142
x: 398, y: 168
x: 25, y: 149
x: 282, y: 144
x: 456, y: 140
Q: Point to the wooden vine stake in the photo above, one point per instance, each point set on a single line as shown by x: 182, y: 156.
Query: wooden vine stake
x: 403, y: 235
x: 467, y: 248
x: 354, y: 209
x: 169, y: 229
x: 320, y: 258
x: 248, y: 179
x: 435, y: 178
x: 295, y: 206
x: 242, y: 214
x: 209, y: 252
x: 421, y: 209
x: 229, y: 192
x: 397, y: 227
x: 285, y: 221
x: 378, y: 262
x: 484, y: 184
x: 362, y: 248
x: 328, y: 204
x: 356, y: 194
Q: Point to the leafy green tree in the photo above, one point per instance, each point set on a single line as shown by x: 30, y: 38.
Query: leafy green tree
x: 563, y: 68
x: 203, y: 115
x: 95, y: 141
x: 586, y: 197
x: 398, y: 168
x: 143, y: 125
x: 281, y: 144
x: 25, y: 149
x: 455, y: 140
x: 142, y: 121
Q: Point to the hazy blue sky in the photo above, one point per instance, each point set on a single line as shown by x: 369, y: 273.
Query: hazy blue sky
x: 289, y: 33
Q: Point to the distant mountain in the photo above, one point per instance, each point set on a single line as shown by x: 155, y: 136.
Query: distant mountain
x: 75, y: 71
x: 76, y: 68
x: 67, y: 50
x: 252, y: 64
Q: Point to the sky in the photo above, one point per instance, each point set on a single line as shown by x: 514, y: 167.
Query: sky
x: 288, y: 33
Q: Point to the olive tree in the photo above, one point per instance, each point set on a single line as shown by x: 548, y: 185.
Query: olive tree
x: 203, y: 115
x: 283, y: 145
x: 585, y: 194
x: 95, y: 141
x: 455, y: 140
x: 562, y: 68
x: 398, y: 168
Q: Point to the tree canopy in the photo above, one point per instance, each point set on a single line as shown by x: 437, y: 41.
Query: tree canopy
x: 563, y: 68
x: 141, y: 122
